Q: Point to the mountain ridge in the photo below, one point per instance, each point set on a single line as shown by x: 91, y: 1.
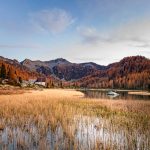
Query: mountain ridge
x: 133, y: 71
x: 62, y: 68
x: 130, y: 73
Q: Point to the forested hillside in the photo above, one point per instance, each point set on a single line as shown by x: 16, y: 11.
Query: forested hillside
x: 129, y: 73
x: 15, y: 73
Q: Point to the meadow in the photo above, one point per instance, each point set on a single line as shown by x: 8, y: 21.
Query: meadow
x: 64, y: 119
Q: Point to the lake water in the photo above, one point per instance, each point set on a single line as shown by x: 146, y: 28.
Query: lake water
x: 123, y: 95
x: 87, y: 131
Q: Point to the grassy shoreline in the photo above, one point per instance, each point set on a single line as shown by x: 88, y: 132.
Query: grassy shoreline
x: 119, y: 90
x: 7, y: 90
x: 139, y: 93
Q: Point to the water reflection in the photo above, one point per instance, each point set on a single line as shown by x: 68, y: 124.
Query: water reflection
x: 19, y: 138
x: 123, y: 95
x: 113, y: 96
x: 93, y: 129
x: 88, y: 133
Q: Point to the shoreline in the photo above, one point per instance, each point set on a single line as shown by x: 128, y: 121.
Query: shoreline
x: 123, y: 90
x: 130, y: 92
x: 145, y: 93
x: 11, y: 90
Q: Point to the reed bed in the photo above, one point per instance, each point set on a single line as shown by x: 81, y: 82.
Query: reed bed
x: 64, y: 119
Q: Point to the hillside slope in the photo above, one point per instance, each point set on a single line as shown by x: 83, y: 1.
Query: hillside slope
x: 130, y: 73
x: 62, y: 69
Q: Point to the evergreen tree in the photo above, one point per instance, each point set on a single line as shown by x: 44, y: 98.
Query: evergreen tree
x: 52, y: 84
x: 60, y: 84
x: 3, y: 72
x: 20, y: 79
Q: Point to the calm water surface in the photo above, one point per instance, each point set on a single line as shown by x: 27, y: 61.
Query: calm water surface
x: 123, y: 95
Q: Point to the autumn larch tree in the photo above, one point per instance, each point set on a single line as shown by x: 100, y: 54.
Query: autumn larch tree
x: 11, y: 74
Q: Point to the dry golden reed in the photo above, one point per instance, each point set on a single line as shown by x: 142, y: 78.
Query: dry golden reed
x: 34, y: 119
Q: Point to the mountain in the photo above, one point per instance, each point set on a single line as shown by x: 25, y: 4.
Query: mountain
x: 62, y: 69
x: 130, y: 73
x: 43, y: 67
x: 15, y: 73
x: 11, y: 69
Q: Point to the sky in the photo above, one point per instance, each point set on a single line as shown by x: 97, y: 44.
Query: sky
x: 100, y: 31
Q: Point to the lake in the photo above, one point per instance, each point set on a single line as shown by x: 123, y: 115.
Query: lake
x: 123, y: 95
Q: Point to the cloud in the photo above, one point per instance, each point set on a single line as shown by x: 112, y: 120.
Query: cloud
x: 135, y: 33
x: 90, y: 35
x: 89, y: 59
x: 147, y: 53
x: 16, y: 46
x: 53, y: 21
x: 144, y: 45
x: 112, y: 12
